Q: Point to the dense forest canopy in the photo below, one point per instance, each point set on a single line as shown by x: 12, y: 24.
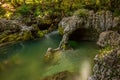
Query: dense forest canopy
x: 55, y: 7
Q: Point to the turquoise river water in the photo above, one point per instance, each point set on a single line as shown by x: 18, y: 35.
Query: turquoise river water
x: 25, y: 60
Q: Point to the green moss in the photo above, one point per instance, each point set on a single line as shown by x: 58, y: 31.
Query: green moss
x: 105, y: 50
x: 27, y: 35
x: 8, y: 38
x: 65, y: 46
x: 60, y: 29
x: 12, y: 37
x: 81, y: 13
x: 40, y: 33
x: 2, y: 12
x: 24, y: 9
x: 116, y: 13
x: 45, y: 31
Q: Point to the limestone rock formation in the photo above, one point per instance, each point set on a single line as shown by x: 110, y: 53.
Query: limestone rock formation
x: 107, y: 67
x: 109, y: 38
x: 14, y: 30
x: 12, y: 25
x: 95, y: 21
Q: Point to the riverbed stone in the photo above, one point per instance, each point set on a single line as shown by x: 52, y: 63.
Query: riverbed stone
x: 52, y: 55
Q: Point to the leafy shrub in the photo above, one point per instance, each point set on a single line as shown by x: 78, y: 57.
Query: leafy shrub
x: 24, y: 9
x: 37, y: 11
x: 40, y: 33
x: 2, y: 11
x: 60, y: 29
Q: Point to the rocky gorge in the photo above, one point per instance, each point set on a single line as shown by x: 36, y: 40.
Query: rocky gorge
x: 59, y: 39
x: 101, y: 27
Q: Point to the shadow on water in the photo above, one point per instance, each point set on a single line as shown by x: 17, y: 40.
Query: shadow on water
x: 25, y: 60
x: 9, y: 50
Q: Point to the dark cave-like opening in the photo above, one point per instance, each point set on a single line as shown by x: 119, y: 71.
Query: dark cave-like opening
x: 44, y: 26
x: 83, y: 34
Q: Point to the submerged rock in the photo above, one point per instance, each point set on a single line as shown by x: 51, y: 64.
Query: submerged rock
x: 94, y: 22
x: 52, y: 55
x: 109, y: 38
x: 64, y: 75
x: 107, y: 67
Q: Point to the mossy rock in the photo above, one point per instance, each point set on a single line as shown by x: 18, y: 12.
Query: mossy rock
x: 27, y: 35
x: 40, y: 33
x: 81, y: 13
x: 60, y: 29
x: 9, y: 38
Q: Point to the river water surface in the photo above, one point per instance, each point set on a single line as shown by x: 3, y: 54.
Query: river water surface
x: 25, y: 60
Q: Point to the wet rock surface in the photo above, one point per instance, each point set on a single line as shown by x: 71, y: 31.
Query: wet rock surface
x: 107, y: 67
x: 52, y: 55
x: 109, y: 38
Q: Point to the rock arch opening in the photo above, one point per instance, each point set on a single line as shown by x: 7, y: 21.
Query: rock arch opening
x: 84, y: 34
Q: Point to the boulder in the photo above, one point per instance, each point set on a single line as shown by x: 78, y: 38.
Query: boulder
x: 109, y: 38
x: 107, y: 66
x: 52, y: 55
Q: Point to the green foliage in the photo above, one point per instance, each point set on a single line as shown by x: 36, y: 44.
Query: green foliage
x: 24, y: 9
x: 116, y: 12
x: 60, y: 30
x: 40, y: 33
x: 2, y: 12
x: 37, y: 11
x: 81, y: 12
x: 27, y: 35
